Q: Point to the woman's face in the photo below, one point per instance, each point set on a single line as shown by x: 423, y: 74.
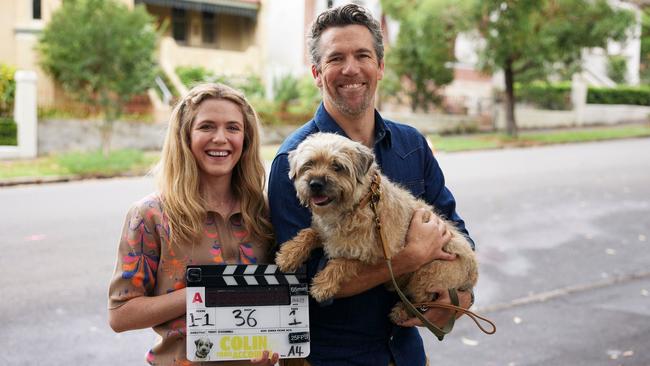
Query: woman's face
x: 217, y: 137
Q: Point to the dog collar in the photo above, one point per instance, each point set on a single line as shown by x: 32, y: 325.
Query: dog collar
x: 374, y: 193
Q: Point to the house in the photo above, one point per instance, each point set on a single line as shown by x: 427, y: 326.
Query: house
x: 221, y: 35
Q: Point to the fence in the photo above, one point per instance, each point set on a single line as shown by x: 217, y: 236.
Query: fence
x: 25, y: 117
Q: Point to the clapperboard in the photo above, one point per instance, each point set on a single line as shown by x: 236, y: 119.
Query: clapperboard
x: 236, y: 312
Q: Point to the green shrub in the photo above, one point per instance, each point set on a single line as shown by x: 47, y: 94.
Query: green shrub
x: 545, y: 95
x: 251, y: 85
x: 7, y: 89
x: 620, y: 95
x: 286, y: 91
x: 192, y: 75
x: 8, y: 132
x: 617, y: 68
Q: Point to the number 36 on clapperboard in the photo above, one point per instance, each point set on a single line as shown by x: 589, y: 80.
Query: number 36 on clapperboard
x: 236, y: 312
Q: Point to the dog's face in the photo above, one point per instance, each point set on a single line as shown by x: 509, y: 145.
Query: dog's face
x: 203, y: 347
x: 327, y: 169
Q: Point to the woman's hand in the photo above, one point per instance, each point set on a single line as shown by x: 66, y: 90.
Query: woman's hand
x: 264, y: 360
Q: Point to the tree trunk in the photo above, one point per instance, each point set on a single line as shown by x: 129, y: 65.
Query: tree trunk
x: 511, y: 123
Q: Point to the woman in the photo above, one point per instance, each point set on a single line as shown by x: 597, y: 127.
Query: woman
x: 210, y: 208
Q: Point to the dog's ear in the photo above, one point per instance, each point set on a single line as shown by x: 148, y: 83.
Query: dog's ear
x: 363, y: 161
x: 292, y: 164
x: 196, y: 342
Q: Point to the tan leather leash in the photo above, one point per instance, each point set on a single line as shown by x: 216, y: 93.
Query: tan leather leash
x: 373, y: 197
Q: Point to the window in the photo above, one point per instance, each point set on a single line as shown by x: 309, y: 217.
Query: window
x: 179, y: 24
x: 36, y: 9
x: 209, y: 27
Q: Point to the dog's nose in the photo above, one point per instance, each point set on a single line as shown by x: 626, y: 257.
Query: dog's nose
x: 316, y: 185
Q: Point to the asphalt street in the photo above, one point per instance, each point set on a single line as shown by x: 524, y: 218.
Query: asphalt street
x: 562, y: 233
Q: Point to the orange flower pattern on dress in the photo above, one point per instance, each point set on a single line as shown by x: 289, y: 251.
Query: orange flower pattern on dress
x: 246, y: 252
x: 141, y: 263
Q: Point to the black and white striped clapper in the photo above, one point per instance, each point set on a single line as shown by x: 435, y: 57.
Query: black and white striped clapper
x: 225, y: 275
x: 246, y: 284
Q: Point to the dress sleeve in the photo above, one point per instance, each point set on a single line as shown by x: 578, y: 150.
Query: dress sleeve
x: 138, y: 255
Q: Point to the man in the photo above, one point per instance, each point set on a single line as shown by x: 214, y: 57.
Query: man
x: 353, y: 329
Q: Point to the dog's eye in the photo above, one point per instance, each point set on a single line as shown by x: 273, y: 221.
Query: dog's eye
x: 337, y: 167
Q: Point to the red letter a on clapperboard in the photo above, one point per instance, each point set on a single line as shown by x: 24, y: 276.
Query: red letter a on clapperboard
x: 197, y: 298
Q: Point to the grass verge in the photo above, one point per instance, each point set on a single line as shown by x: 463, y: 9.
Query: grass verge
x: 87, y: 165
x: 536, y: 138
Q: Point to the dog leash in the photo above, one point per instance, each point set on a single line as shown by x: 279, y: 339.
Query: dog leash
x: 373, y: 197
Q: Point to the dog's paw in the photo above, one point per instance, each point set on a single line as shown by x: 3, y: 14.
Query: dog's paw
x: 322, y: 288
x: 287, y: 258
x: 398, y: 314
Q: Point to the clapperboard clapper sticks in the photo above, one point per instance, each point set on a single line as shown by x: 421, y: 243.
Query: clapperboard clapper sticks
x: 236, y: 312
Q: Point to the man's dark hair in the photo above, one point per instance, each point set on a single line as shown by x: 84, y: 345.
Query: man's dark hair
x: 339, y: 17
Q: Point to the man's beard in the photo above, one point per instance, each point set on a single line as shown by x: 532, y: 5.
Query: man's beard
x: 342, y: 104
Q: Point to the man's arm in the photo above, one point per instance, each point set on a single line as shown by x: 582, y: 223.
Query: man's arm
x: 437, y: 194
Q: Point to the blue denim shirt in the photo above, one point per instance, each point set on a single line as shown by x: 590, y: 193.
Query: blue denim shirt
x: 356, y: 330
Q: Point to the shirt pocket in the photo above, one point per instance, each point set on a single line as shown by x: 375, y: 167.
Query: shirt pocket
x: 416, y: 187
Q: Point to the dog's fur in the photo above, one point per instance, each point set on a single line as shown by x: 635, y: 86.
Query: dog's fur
x: 332, y: 174
x: 203, y: 347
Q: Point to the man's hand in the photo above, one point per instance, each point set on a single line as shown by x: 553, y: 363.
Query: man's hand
x: 264, y: 359
x: 440, y: 317
x: 424, y: 242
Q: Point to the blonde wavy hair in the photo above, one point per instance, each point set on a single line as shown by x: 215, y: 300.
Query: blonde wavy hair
x: 177, y: 172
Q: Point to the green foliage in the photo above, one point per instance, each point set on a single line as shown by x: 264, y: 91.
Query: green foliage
x: 8, y: 132
x: 192, y: 75
x: 644, y: 69
x: 295, y: 102
x: 545, y: 95
x: 425, y: 47
x: 286, y: 91
x: 617, y: 68
x: 251, y: 85
x: 101, y: 53
x: 295, y: 99
x: 7, y: 89
x: 620, y: 95
x: 532, y: 38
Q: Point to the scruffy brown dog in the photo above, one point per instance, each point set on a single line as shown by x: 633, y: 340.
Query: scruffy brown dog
x: 332, y: 176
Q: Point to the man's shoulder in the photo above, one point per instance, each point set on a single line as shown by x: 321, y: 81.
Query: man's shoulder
x: 402, y: 129
x: 296, y: 137
x: 405, y: 138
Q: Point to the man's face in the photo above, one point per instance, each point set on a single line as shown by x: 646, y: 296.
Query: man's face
x: 349, y: 69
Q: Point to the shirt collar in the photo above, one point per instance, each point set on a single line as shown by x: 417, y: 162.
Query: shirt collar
x: 325, y: 123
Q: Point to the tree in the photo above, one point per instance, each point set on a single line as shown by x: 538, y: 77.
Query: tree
x: 645, y: 45
x: 425, y: 46
x: 530, y: 38
x: 102, y: 54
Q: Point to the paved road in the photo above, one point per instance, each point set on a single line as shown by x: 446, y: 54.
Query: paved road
x: 569, y: 224
x: 563, y: 235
